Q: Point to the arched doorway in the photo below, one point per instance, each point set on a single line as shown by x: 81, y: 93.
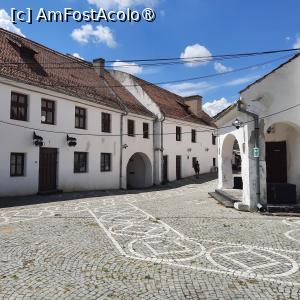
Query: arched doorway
x: 139, y: 172
x: 282, y: 163
x: 231, y: 164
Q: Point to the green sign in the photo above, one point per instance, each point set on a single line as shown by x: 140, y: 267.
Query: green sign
x: 256, y: 152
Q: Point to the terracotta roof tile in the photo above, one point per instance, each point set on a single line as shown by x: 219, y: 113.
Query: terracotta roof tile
x: 29, y: 62
x: 172, y: 105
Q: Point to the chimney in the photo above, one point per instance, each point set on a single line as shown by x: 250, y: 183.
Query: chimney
x: 195, y: 104
x: 99, y: 65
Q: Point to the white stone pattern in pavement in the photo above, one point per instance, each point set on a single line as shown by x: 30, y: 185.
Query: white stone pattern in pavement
x: 293, y: 234
x: 139, y: 236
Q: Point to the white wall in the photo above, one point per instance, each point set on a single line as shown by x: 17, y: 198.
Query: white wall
x: 137, y: 144
x: 16, y: 139
x: 270, y: 98
x: 170, y: 145
x: 203, y: 149
x: 275, y: 94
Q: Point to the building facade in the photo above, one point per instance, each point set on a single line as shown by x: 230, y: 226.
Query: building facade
x: 70, y: 125
x: 268, y: 134
x: 184, y: 133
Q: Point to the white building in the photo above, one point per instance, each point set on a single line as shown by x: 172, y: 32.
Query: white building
x: 184, y: 133
x: 69, y: 125
x: 271, y: 173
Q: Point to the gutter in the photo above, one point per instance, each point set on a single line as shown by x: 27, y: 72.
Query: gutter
x: 256, y: 125
x: 162, y: 142
x: 153, y: 142
x: 125, y: 113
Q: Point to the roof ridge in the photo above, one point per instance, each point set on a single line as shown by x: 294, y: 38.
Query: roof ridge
x: 271, y: 72
x: 156, y: 86
x: 179, y: 99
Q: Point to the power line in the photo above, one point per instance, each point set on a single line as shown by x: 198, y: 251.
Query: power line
x: 144, y: 83
x: 140, y: 134
x: 212, y: 56
x: 161, y: 61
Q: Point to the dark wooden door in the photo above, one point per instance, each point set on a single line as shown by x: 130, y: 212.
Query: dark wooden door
x: 178, y: 167
x: 276, y: 162
x: 165, y: 168
x: 48, y: 169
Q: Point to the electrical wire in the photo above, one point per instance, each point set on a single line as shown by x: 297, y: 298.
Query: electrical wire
x: 212, y: 130
x: 144, y: 83
x: 162, y: 61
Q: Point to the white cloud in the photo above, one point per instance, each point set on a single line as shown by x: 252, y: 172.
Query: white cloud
x: 200, y: 88
x: 189, y: 88
x: 220, y: 68
x: 214, y: 107
x: 77, y: 55
x: 297, y: 43
x: 131, y: 68
x: 287, y: 38
x: 5, y: 23
x: 196, y: 51
x: 240, y: 81
x: 121, y: 4
x: 101, y: 34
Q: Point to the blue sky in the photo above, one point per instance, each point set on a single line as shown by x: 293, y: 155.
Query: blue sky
x: 191, y: 27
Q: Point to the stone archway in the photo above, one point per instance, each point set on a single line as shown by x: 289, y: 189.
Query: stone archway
x: 139, y: 171
x: 231, y: 160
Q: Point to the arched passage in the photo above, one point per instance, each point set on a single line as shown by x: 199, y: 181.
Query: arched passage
x: 231, y: 163
x: 139, y: 171
x: 282, y: 163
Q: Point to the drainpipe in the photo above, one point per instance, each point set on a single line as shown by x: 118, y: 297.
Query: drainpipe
x: 256, y: 125
x: 154, y: 154
x: 162, y: 142
x: 125, y: 113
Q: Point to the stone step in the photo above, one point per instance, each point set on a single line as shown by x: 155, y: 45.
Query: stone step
x: 230, y: 195
x: 222, y: 199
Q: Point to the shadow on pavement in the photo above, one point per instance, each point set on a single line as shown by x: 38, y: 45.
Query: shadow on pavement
x: 39, y: 199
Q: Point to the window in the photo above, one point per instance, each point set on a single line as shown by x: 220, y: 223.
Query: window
x: 17, y: 162
x: 214, y: 162
x: 80, y: 118
x: 80, y: 162
x: 145, y: 130
x: 106, y: 122
x: 48, y: 112
x: 178, y: 133
x: 105, y: 162
x: 214, y: 139
x: 130, y: 127
x: 193, y: 136
x: 19, y: 107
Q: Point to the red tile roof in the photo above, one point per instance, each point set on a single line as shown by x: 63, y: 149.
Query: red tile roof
x: 172, y: 105
x: 31, y: 63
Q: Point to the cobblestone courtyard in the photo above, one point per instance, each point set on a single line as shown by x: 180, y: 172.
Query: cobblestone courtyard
x: 173, y: 243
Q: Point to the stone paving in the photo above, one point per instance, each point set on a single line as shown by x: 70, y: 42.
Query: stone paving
x: 172, y: 243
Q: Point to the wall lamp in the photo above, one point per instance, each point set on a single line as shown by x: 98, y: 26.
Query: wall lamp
x: 38, y: 141
x: 237, y: 124
x: 72, y: 142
